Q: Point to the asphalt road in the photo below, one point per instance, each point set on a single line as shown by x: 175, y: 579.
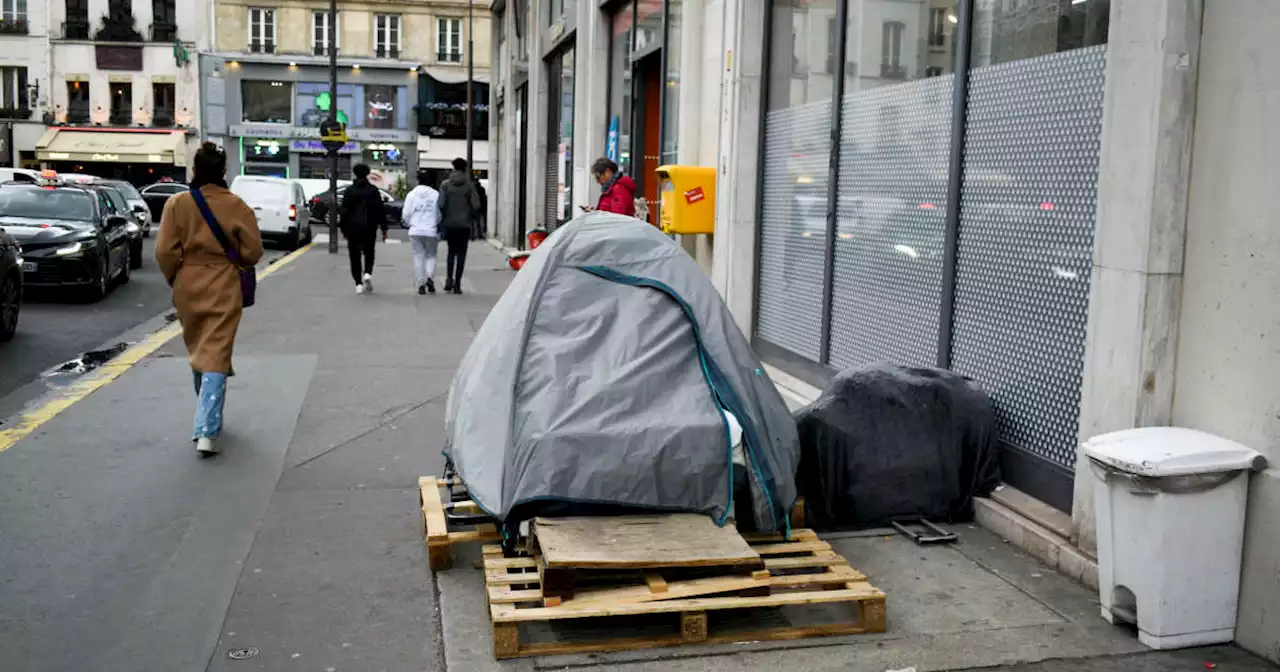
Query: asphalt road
x: 54, y: 328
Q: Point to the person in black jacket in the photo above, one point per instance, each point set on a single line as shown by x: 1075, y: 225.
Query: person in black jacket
x: 361, y: 216
x: 459, y: 207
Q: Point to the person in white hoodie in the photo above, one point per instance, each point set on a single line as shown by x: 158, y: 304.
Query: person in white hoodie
x: 422, y: 214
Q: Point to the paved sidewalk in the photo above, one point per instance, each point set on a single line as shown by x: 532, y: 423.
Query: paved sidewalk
x: 303, y: 542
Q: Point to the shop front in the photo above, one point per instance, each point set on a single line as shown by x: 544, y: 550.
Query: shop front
x: 442, y: 123
x: 140, y: 156
x: 928, y: 180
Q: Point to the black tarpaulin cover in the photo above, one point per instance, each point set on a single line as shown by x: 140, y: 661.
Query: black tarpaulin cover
x: 888, y: 443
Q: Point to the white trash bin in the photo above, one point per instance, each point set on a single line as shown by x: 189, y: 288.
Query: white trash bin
x: 1170, y: 515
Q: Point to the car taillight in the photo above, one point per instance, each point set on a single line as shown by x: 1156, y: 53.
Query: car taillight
x: 293, y: 213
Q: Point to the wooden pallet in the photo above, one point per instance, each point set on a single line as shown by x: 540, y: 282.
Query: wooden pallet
x: 440, y: 539
x: 798, y: 572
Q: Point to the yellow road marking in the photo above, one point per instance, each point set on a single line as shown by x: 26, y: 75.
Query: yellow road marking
x: 88, y: 384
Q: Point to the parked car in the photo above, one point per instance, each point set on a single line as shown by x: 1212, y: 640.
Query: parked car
x: 119, y: 205
x: 277, y: 202
x: 313, y: 187
x: 156, y: 195
x: 10, y: 285
x: 19, y: 175
x: 320, y: 207
x: 137, y: 204
x: 70, y: 237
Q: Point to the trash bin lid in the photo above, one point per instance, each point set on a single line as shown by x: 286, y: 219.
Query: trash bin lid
x: 1170, y: 451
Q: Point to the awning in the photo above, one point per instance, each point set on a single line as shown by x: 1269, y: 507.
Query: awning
x: 113, y: 146
x: 455, y: 75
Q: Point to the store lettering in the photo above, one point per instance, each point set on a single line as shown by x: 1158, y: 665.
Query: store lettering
x: 106, y: 157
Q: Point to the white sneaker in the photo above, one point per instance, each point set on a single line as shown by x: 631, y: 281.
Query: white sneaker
x: 206, y: 447
x: 359, y: 289
x: 368, y: 282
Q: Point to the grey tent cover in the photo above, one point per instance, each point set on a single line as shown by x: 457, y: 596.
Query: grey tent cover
x: 600, y: 379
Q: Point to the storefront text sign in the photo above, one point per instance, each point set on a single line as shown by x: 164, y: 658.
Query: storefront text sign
x: 315, y: 146
x: 284, y: 131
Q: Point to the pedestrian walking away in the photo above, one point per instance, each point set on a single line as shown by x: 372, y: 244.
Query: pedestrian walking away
x: 206, y: 236
x: 459, y: 208
x: 617, y: 191
x: 482, y: 219
x: 422, y: 215
x: 362, y: 216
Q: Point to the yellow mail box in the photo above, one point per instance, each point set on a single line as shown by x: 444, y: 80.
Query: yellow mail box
x: 688, y: 196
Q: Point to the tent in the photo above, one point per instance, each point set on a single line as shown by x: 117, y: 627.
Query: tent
x: 601, y: 381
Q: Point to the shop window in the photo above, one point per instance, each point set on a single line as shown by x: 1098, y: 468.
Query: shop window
x: 314, y: 102
x: 442, y: 109
x: 648, y: 27
x: 121, y: 103
x: 320, y: 33
x: 162, y: 97
x: 262, y: 30
x: 266, y: 102
x: 618, y: 142
x: 381, y: 106
x: 1010, y: 31
x: 164, y: 21
x: 449, y: 40
x: 671, y: 94
x: 77, y: 24
x: 386, y: 35
x: 77, y: 102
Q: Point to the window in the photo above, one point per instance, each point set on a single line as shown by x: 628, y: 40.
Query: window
x: 833, y: 37
x: 77, y: 102
x: 891, y: 51
x: 386, y: 35
x: 122, y: 103
x: 320, y: 33
x: 262, y: 30
x: 164, y: 22
x: 314, y: 102
x: 162, y: 99
x: 13, y: 16
x: 381, y: 106
x: 266, y: 102
x: 77, y: 25
x: 938, y: 27
x: 14, y: 96
x: 449, y: 34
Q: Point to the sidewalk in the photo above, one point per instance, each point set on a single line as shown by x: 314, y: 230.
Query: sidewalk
x: 120, y: 550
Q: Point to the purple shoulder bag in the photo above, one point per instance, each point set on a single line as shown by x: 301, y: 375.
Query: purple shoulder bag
x: 248, y: 274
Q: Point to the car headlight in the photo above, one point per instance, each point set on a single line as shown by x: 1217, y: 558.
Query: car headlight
x: 132, y: 228
x: 73, y: 248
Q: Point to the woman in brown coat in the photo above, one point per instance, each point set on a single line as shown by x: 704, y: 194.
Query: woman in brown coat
x: 206, y: 285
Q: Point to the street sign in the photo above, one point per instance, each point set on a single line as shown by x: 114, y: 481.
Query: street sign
x: 333, y: 135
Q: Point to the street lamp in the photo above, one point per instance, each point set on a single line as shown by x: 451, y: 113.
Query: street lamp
x: 333, y: 119
x: 471, y: 58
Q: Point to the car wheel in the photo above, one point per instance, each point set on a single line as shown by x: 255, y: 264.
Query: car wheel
x: 135, y: 255
x: 295, y: 239
x: 10, y: 304
x: 102, y: 285
x: 128, y: 263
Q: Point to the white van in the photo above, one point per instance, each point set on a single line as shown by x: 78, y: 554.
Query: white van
x: 281, y: 207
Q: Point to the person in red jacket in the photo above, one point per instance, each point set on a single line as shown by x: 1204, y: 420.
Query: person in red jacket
x: 617, y: 191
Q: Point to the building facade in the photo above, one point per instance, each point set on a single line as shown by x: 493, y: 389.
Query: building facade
x: 1048, y: 196
x: 266, y: 85
x: 24, y: 80
x: 123, y: 91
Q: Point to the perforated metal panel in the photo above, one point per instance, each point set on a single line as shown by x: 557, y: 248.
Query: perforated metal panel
x: 797, y: 151
x: 1026, y: 242
x: 891, y: 224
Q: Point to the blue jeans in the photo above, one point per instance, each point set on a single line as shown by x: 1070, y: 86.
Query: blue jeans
x: 211, y: 396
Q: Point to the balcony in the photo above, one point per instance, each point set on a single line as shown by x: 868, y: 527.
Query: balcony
x: 121, y: 117
x: 13, y: 27
x: 162, y: 117
x: 75, y: 30
x: 262, y: 47
x: 888, y: 71
x: 164, y: 32
x: 383, y: 52
x: 15, y: 113
x: 78, y: 113
x: 449, y: 56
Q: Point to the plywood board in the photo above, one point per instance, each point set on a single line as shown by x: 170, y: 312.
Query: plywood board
x: 636, y: 542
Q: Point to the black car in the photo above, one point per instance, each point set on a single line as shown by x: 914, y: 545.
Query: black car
x: 70, y: 236
x: 320, y: 207
x: 10, y: 285
x: 156, y: 195
x: 120, y: 206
